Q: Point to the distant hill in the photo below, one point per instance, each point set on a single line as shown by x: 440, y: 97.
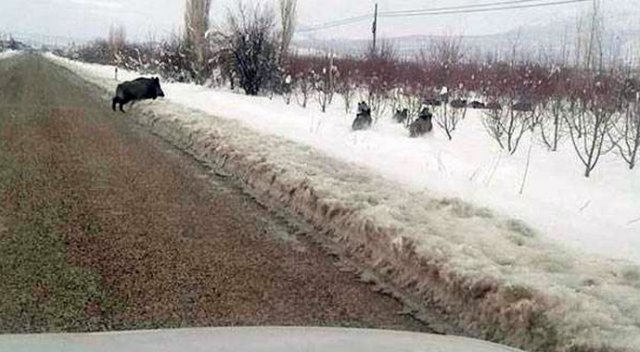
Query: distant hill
x: 551, y: 40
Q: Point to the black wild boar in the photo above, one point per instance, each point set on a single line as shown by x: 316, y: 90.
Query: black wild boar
x: 458, y: 103
x: 401, y: 115
x: 422, y: 125
x: 432, y: 102
x: 138, y: 89
x: 494, y: 105
x: 631, y: 89
x: 363, y: 120
x: 522, y: 106
x: 477, y: 105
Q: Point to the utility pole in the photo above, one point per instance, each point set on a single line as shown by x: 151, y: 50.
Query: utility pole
x: 375, y: 28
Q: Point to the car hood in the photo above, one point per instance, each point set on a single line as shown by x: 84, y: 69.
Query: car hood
x: 254, y: 339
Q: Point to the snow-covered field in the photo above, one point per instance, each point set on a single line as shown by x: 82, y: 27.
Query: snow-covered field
x: 577, y: 239
x: 599, y: 215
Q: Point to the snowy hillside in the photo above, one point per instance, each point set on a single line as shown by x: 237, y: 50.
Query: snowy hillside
x: 533, y: 35
x: 577, y: 238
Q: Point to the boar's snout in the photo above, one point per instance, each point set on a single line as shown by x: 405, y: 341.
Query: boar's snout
x: 159, y: 91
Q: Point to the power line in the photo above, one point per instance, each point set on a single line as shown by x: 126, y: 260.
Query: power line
x: 463, y: 9
x: 502, y: 8
x: 336, y: 23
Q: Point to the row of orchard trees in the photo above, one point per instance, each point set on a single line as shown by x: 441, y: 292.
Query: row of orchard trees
x: 593, y: 106
x: 587, y: 105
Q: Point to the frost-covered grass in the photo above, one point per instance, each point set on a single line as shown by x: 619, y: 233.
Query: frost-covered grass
x: 569, y: 230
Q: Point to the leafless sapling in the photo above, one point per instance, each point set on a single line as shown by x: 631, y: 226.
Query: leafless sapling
x: 590, y: 121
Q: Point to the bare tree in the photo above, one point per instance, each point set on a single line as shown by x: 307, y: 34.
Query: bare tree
x: 347, y: 89
x: 325, y: 83
x: 376, y: 95
x: 384, y: 51
x: 595, y: 47
x: 97, y: 51
x: 579, y: 41
x: 410, y: 98
x: 443, y: 55
x: 626, y: 133
x: 508, y: 125
x: 117, y: 40
x: 288, y: 14
x: 173, y: 59
x: 446, y: 50
x: 590, y: 121
x: 448, y: 115
x: 304, y: 87
x: 249, y: 42
x: 551, y: 122
x: 590, y: 37
x: 379, y: 80
x: 196, y: 23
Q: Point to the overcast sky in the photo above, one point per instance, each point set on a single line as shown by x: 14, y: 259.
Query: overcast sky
x: 92, y: 18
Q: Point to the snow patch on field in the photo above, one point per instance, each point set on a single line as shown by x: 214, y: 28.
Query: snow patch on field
x: 415, y: 186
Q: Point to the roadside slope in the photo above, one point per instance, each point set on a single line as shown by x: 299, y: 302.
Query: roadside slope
x: 496, y: 277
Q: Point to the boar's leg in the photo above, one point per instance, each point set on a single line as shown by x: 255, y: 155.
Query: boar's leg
x: 114, y: 102
x: 123, y: 101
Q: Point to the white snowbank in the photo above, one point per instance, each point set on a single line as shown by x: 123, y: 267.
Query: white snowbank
x: 409, y: 184
x: 8, y: 53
